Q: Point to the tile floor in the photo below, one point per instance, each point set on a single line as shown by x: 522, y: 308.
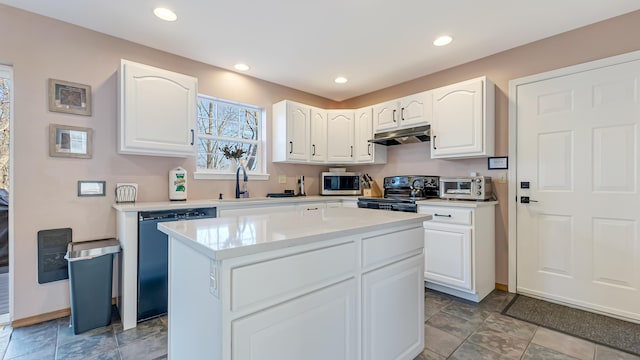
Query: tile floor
x: 454, y: 329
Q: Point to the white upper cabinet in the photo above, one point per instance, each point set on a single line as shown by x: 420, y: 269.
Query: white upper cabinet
x: 318, y: 135
x: 412, y: 110
x: 384, y: 116
x: 157, y: 111
x: 463, y: 120
x: 340, y: 126
x: 367, y: 152
x: 291, y: 132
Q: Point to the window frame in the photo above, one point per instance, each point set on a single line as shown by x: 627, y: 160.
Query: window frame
x: 260, y: 173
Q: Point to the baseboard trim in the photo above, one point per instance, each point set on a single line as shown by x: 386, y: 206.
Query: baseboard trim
x: 502, y: 287
x: 32, y: 320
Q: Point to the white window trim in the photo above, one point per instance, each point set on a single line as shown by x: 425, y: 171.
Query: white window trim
x: 259, y: 174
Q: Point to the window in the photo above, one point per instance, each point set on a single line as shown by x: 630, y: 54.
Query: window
x: 223, y: 123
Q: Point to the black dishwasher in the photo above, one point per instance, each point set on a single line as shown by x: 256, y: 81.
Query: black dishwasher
x: 153, y: 257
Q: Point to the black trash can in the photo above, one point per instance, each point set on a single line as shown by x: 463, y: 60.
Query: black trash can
x: 90, y: 282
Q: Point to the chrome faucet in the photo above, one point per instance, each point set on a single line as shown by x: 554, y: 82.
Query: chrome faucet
x: 244, y: 191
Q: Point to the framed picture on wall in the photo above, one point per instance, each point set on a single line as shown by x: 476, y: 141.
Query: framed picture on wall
x: 68, y: 97
x: 70, y: 141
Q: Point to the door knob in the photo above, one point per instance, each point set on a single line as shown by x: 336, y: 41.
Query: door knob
x: 526, y: 200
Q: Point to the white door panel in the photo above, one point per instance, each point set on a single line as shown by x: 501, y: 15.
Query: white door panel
x: 577, y: 145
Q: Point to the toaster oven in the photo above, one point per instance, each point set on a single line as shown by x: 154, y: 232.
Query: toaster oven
x: 466, y: 188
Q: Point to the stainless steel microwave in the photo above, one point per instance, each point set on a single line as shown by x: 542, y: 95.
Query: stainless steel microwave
x: 340, y: 183
x: 466, y: 188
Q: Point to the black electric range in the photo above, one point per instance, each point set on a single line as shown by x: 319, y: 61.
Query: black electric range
x: 402, y: 192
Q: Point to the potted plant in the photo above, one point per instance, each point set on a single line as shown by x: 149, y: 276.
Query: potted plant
x: 233, y: 153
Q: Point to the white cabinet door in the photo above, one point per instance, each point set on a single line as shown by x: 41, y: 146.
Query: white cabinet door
x: 385, y: 116
x: 290, y: 132
x: 412, y: 110
x: 318, y: 135
x: 415, y: 109
x: 398, y: 286
x: 340, y: 128
x: 319, y: 326
x: 448, y: 255
x: 364, y: 133
x: 367, y: 152
x: 463, y: 120
x: 157, y: 111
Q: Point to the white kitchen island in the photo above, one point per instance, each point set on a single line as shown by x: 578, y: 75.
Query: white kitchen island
x: 336, y: 283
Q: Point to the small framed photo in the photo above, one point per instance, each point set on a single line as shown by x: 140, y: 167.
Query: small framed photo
x: 498, y: 162
x: 91, y: 188
x: 68, y: 97
x: 70, y: 141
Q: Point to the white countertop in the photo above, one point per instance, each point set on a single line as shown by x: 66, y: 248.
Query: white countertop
x: 235, y: 236
x: 225, y: 203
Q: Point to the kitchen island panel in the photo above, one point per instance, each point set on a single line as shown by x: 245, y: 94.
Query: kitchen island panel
x: 252, y: 284
x: 314, y: 300
x: 191, y: 302
x: 318, y: 326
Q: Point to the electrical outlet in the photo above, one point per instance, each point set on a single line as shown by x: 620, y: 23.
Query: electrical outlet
x: 502, y: 177
x: 282, y: 179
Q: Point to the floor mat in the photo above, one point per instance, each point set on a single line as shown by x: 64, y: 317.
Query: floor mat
x: 619, y: 334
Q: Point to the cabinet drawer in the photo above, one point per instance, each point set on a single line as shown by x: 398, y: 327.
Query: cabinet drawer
x: 448, y: 215
x: 279, y: 279
x: 382, y: 249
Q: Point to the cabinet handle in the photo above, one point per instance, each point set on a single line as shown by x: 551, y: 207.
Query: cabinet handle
x: 402, y: 114
x: 369, y: 149
x: 351, y: 150
x: 394, y: 115
x: 193, y: 136
x: 433, y: 142
x: 449, y: 215
x: 290, y: 147
x: 314, y: 149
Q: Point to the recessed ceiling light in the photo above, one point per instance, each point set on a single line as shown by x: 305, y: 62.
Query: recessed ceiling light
x: 341, y: 80
x: 443, y: 40
x: 165, y: 14
x: 241, y: 67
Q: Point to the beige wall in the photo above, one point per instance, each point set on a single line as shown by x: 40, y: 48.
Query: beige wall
x: 608, y: 38
x: 44, y: 188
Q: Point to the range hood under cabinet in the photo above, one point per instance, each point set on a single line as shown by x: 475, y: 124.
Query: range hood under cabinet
x: 403, y: 136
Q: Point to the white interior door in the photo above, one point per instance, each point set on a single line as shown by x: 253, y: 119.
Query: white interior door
x: 577, y: 146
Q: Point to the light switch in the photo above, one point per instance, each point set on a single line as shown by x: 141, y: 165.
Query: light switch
x: 282, y: 179
x: 502, y: 177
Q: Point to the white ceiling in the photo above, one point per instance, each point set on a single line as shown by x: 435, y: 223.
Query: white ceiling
x: 305, y: 44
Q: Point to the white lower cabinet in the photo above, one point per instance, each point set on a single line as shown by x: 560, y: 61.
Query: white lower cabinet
x: 283, y: 332
x: 448, y: 260
x: 460, y: 249
x: 393, y: 286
